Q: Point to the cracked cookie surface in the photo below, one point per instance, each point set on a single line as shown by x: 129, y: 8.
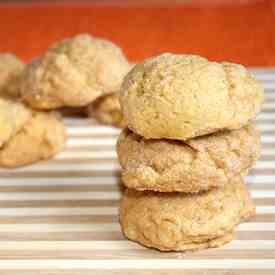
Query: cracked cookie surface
x: 184, y: 96
x: 191, y: 166
x: 178, y: 222
x: 106, y: 109
x: 74, y: 72
x: 11, y: 69
x: 40, y: 138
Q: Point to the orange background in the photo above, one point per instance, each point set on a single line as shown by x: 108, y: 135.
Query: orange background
x: 243, y: 33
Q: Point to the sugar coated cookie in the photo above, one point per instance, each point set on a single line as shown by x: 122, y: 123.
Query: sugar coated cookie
x: 40, y: 138
x: 184, y: 96
x: 178, y: 222
x: 13, y: 115
x: 106, y: 109
x: 74, y: 72
x: 11, y: 68
x: 191, y: 166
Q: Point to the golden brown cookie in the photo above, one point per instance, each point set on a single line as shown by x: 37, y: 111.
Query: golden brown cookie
x: 13, y: 115
x: 178, y: 221
x: 41, y: 138
x: 184, y: 96
x: 106, y: 109
x: 191, y: 166
x: 74, y: 72
x: 11, y: 69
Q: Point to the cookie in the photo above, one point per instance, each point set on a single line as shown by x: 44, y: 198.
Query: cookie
x: 11, y: 69
x: 13, y: 115
x: 178, y: 221
x: 74, y: 72
x: 191, y: 166
x: 41, y: 138
x: 184, y: 96
x: 106, y: 109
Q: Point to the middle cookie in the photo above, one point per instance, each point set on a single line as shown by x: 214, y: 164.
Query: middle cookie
x: 191, y: 166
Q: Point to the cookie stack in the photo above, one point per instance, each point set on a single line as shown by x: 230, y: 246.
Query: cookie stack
x: 187, y: 144
x: 81, y: 74
x: 73, y: 74
x: 26, y: 135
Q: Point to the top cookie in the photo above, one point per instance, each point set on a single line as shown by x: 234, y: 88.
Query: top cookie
x: 11, y: 69
x: 183, y: 96
x: 74, y: 72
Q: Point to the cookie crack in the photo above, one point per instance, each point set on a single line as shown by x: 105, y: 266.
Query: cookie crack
x: 216, y: 163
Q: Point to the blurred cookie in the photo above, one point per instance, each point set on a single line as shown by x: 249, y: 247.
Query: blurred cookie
x: 13, y: 115
x: 184, y: 96
x: 11, y: 69
x: 41, y: 138
x: 74, y: 72
x: 178, y: 221
x: 106, y: 109
x: 191, y: 166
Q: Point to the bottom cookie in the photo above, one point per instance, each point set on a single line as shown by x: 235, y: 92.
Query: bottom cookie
x: 41, y: 137
x: 179, y: 222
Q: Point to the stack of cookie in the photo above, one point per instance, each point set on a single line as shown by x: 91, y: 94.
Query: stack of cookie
x: 26, y: 135
x: 188, y: 143
x: 74, y: 73
x: 81, y: 74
